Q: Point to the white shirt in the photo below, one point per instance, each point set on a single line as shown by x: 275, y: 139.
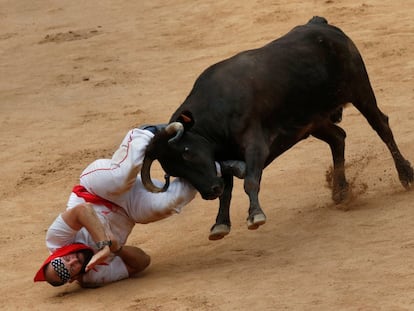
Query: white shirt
x: 60, y: 234
x: 116, y: 180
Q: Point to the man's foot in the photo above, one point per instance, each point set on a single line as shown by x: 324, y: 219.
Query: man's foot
x: 154, y: 129
x: 233, y: 167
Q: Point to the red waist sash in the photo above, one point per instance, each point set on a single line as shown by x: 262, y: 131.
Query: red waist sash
x: 81, y: 192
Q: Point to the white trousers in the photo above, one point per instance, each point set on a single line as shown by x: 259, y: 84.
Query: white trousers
x: 118, y: 181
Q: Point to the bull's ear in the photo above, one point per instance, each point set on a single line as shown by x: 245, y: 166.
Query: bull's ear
x: 186, y: 118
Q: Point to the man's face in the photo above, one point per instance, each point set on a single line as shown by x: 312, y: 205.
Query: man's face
x: 65, y: 268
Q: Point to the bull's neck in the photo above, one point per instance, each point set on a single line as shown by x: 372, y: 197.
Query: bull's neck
x: 216, y: 140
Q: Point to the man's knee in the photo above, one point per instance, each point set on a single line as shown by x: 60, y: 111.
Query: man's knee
x: 136, y: 260
x: 146, y: 261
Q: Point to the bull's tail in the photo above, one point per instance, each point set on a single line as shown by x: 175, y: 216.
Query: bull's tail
x: 318, y: 20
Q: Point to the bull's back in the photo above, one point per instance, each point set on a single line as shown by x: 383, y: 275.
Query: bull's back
x: 308, y: 71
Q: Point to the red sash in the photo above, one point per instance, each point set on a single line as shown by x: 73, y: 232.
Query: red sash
x: 81, y: 192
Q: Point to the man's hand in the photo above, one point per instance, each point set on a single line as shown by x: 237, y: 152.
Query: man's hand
x: 98, y: 258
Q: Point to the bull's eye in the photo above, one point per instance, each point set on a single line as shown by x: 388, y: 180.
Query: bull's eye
x: 187, y: 154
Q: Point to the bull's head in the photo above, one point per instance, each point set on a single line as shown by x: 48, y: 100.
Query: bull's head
x: 183, y: 153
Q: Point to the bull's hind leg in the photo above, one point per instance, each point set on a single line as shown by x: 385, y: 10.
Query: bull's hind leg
x: 367, y: 105
x: 335, y: 137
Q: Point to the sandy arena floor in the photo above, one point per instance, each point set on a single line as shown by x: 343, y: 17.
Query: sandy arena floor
x: 76, y: 75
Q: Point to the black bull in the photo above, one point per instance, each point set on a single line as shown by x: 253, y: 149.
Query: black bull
x: 259, y: 103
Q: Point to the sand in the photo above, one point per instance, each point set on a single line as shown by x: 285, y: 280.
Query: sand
x: 77, y: 75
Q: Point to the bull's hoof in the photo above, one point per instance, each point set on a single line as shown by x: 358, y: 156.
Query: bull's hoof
x: 218, y: 232
x: 255, y: 221
x: 340, y: 196
x: 340, y: 192
x: 406, y: 175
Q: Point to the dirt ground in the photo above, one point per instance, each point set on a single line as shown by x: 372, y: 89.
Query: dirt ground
x: 76, y: 75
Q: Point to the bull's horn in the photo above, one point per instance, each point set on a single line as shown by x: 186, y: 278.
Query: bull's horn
x: 146, y: 178
x: 177, y: 128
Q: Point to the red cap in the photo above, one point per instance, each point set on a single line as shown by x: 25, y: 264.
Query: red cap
x: 63, y: 251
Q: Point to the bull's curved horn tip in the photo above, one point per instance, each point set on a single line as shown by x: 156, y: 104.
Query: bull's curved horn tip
x: 174, y: 127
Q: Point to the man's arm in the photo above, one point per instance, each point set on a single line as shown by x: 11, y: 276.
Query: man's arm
x: 83, y: 215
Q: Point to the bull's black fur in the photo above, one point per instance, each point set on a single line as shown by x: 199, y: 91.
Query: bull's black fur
x: 257, y: 104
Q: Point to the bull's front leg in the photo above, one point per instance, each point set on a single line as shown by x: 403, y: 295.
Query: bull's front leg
x: 255, y: 156
x: 256, y: 216
x: 222, y: 226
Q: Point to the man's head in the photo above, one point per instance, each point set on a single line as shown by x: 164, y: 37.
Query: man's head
x: 65, y: 264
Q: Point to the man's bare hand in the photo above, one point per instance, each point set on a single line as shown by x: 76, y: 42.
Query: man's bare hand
x: 98, y: 258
